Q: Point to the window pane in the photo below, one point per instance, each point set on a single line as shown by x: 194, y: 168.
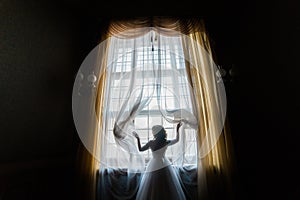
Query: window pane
x: 174, y: 93
x: 155, y: 120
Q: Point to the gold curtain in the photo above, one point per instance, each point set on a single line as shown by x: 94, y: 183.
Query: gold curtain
x: 216, y: 169
x: 87, y: 163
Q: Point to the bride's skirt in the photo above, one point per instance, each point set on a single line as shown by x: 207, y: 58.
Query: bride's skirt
x: 160, y: 184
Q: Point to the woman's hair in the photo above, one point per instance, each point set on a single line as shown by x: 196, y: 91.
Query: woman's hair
x: 159, y: 132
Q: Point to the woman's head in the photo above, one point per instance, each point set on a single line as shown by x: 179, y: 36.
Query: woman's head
x: 159, y: 132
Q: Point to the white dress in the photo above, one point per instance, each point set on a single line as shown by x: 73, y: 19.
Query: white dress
x: 160, y: 180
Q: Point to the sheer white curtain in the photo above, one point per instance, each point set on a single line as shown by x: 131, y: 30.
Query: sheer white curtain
x: 146, y: 85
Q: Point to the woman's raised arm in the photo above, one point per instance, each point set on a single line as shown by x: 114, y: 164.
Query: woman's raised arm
x: 141, y: 148
x: 177, y: 134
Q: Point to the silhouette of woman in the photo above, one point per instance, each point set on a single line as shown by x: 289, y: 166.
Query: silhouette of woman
x: 160, y: 180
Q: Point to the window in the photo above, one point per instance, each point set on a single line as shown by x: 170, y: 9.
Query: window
x: 143, y: 53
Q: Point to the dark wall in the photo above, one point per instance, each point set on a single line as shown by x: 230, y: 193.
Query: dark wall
x: 36, y: 60
x: 263, y: 104
x: 40, y: 54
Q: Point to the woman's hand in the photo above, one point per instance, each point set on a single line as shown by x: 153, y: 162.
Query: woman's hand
x: 179, y: 125
x: 177, y: 134
x: 136, y: 135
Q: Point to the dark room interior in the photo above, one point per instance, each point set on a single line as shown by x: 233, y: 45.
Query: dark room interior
x: 42, y: 45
